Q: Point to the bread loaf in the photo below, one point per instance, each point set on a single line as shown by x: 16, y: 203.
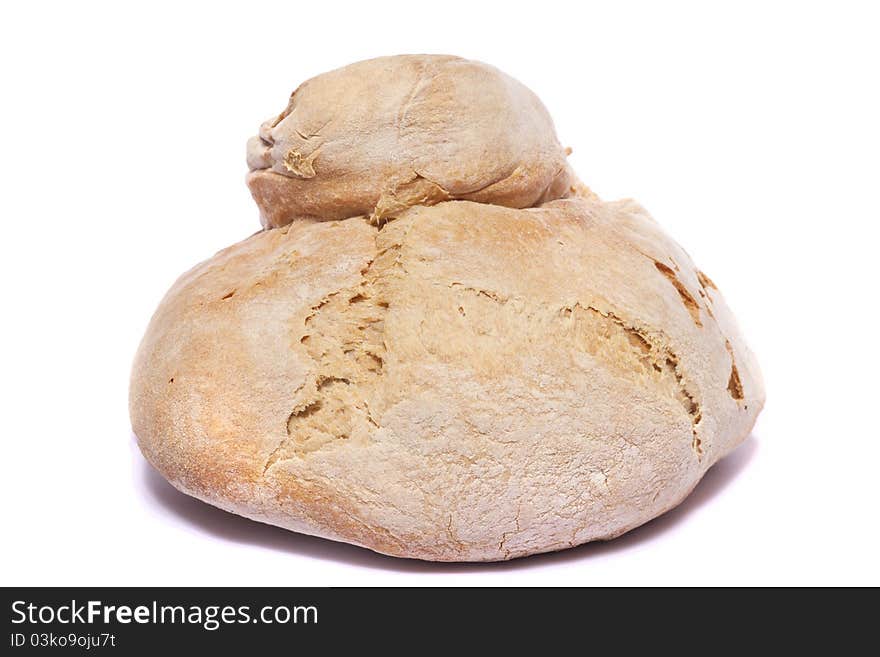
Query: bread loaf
x: 443, y: 346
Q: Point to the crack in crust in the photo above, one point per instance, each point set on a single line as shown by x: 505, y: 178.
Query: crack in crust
x: 734, y: 384
x: 639, y: 355
x: 686, y: 297
x: 647, y: 357
x: 344, y: 334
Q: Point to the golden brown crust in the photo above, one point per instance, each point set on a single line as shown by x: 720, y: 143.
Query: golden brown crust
x: 469, y: 382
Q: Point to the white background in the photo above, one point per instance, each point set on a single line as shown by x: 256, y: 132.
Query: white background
x: 750, y: 132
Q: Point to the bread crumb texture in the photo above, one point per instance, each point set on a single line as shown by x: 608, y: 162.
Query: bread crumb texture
x: 474, y: 359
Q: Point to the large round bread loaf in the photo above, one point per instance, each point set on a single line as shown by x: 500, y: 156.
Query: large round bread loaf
x: 430, y: 377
